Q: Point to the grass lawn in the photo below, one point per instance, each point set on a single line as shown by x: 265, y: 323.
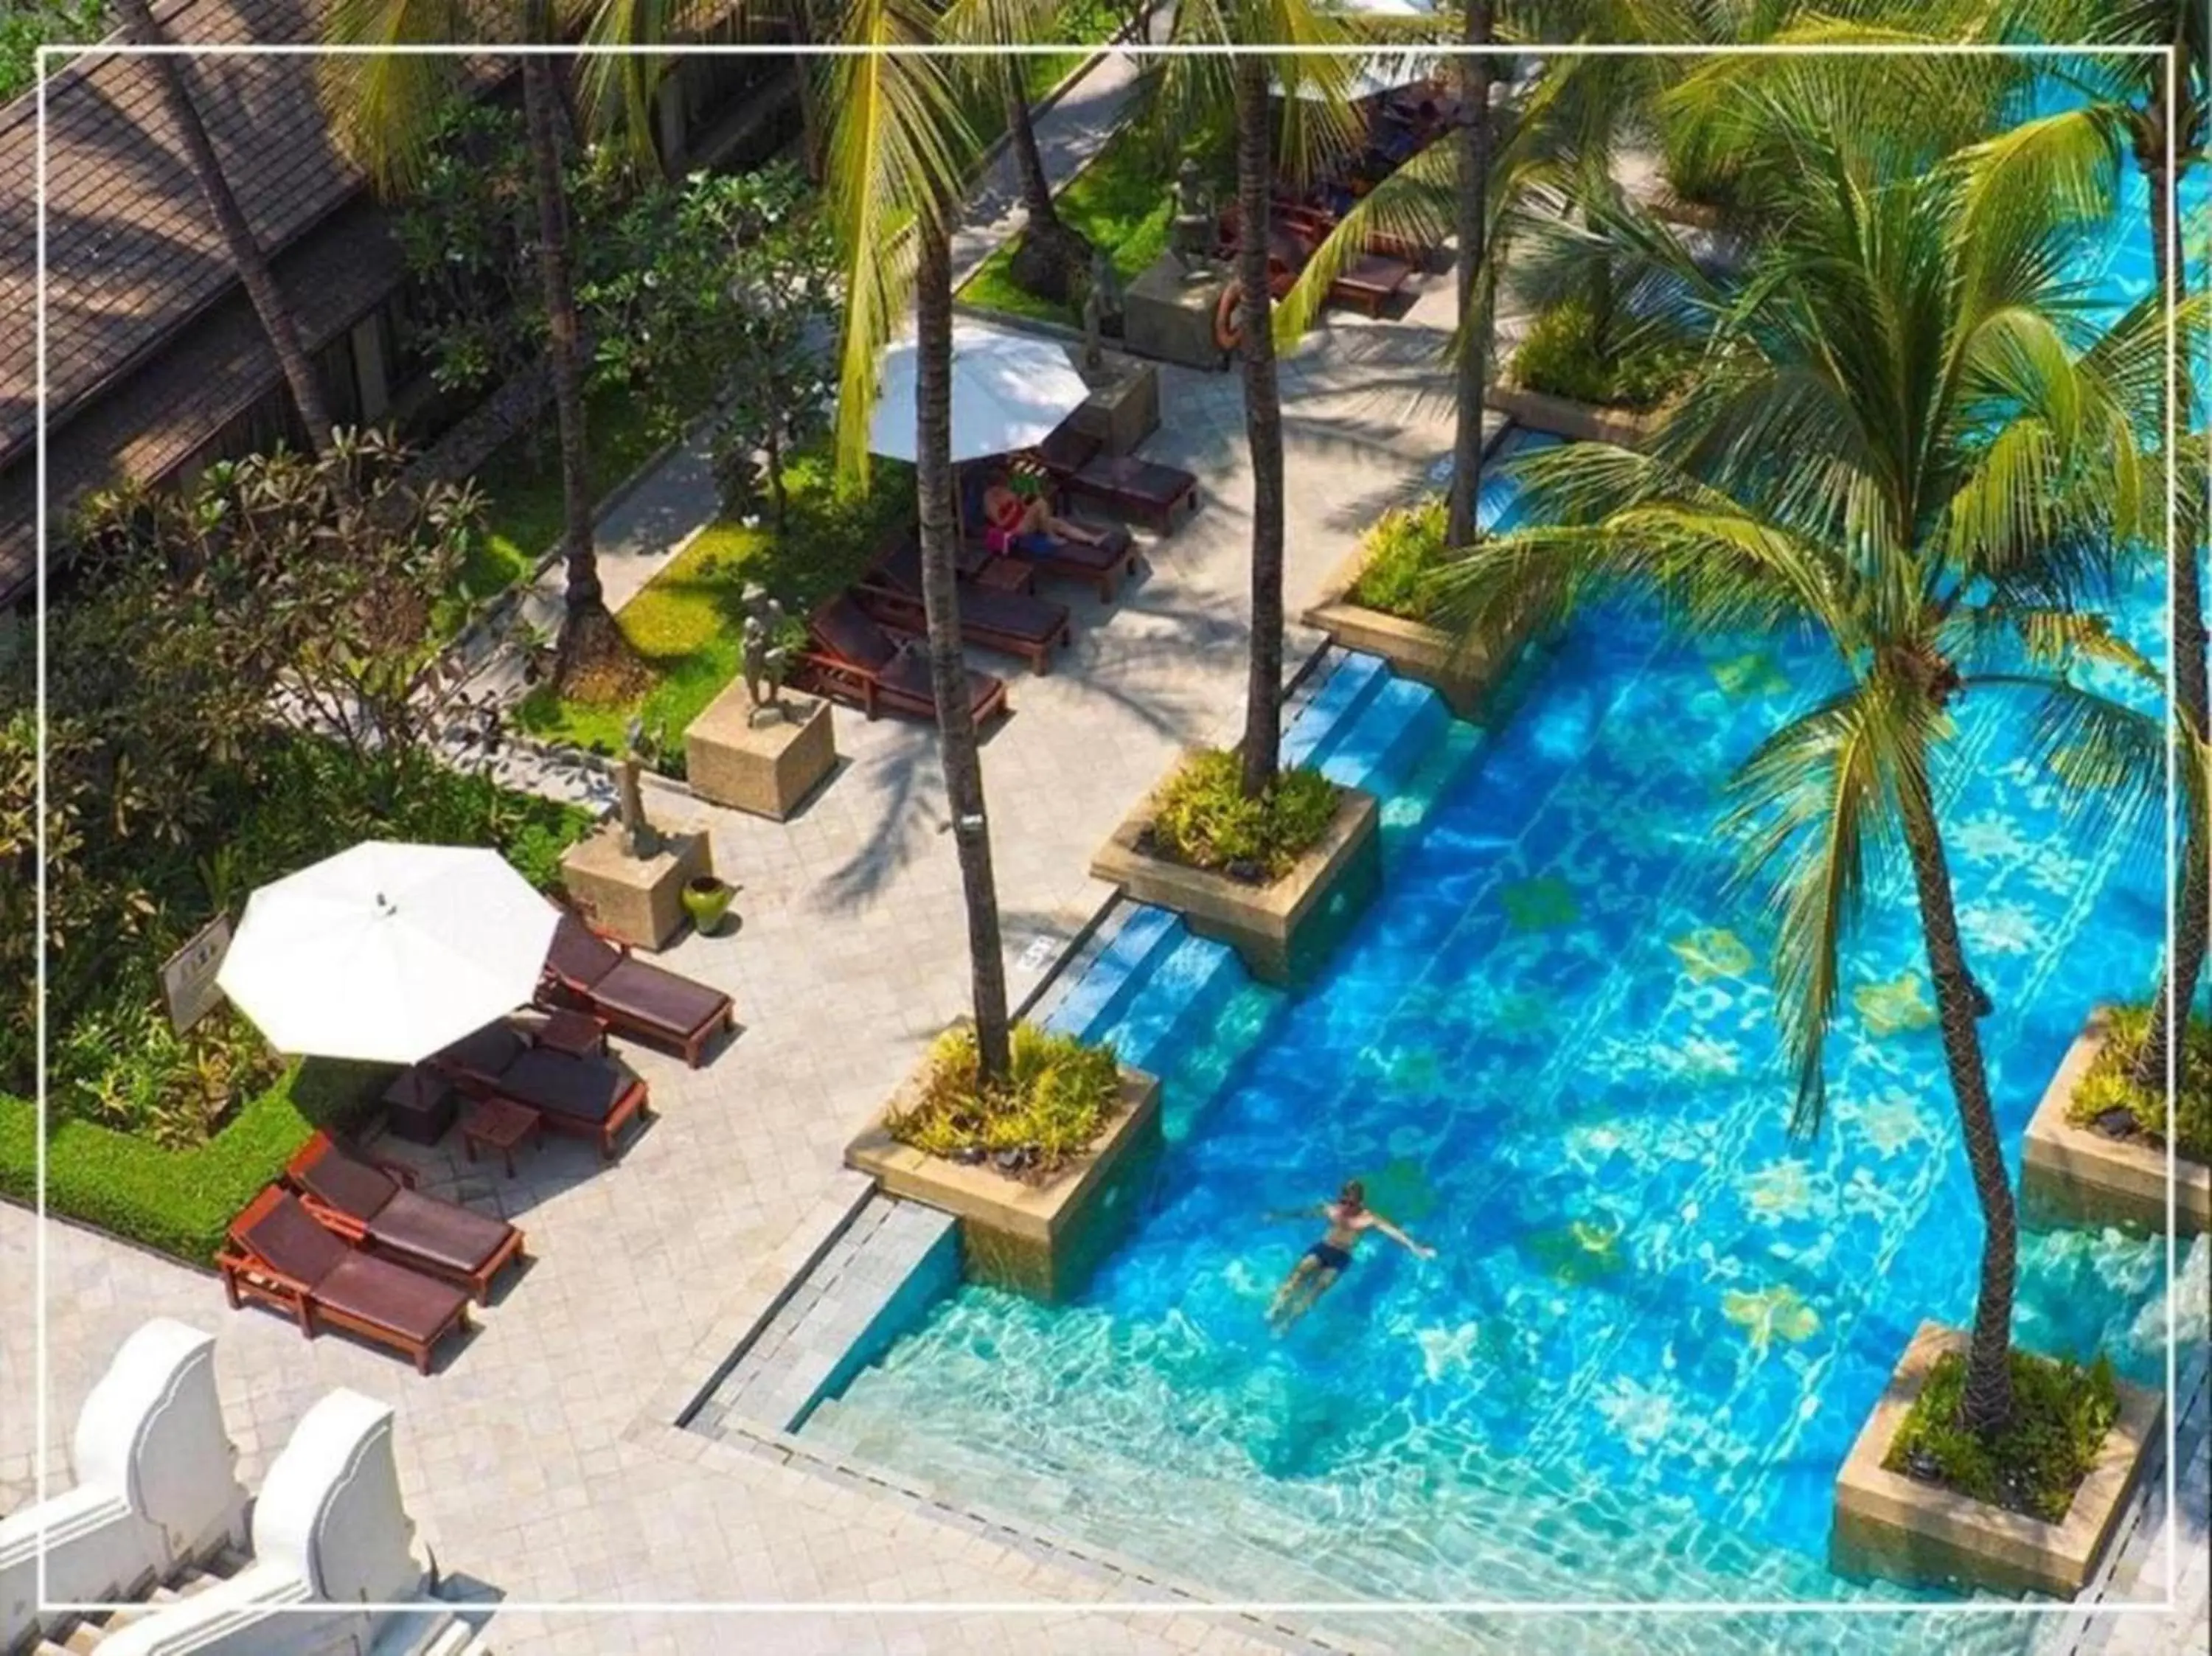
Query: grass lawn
x: 685, y: 622
x: 1123, y: 200
x: 521, y: 484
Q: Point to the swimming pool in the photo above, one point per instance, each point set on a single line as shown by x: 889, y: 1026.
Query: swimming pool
x: 1657, y: 1321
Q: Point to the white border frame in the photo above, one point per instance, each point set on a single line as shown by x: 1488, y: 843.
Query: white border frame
x: 46, y: 56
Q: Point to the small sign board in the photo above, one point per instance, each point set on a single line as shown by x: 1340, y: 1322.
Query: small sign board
x: 188, y: 976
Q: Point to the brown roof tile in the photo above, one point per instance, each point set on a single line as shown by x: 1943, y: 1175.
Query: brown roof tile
x: 132, y: 251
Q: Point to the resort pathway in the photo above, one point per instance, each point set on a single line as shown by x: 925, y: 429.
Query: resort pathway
x: 851, y: 952
x: 657, y: 515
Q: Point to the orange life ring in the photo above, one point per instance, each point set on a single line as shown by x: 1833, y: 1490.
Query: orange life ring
x: 1228, y: 330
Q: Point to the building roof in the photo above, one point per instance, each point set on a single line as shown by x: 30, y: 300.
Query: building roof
x: 132, y: 251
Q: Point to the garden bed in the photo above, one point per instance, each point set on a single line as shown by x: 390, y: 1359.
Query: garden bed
x: 1380, y: 599
x: 1893, y: 1523
x: 1252, y: 883
x: 1122, y: 199
x: 2095, y: 1151
x: 685, y: 623
x: 1565, y: 379
x: 1034, y: 1223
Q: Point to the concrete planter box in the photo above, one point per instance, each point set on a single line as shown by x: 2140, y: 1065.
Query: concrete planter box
x: 1279, y: 929
x: 2076, y: 1175
x: 1038, y: 1240
x: 1426, y: 654
x: 1580, y: 422
x: 1891, y: 1526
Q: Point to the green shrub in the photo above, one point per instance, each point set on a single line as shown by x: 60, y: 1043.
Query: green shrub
x: 1560, y: 358
x: 180, y: 1201
x: 2110, y: 1086
x: 2061, y: 1413
x: 1055, y: 1102
x: 1203, y: 818
x: 1405, y: 550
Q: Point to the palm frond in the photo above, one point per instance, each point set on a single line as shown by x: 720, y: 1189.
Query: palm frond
x: 383, y: 107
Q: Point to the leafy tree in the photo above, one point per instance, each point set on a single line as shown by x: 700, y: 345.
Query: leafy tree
x: 775, y: 275
x: 30, y: 24
x: 1901, y: 445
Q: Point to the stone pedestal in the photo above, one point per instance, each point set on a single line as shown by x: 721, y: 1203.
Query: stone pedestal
x: 1165, y: 317
x: 762, y: 762
x: 1124, y: 408
x: 640, y: 901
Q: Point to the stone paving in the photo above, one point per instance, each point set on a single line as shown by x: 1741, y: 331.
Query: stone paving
x: 521, y: 1458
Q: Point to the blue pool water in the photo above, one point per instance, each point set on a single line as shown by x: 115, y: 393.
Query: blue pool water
x: 1656, y: 1320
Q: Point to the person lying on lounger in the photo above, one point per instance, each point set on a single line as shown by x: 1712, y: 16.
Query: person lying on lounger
x: 1015, y: 505
x: 1320, y: 1265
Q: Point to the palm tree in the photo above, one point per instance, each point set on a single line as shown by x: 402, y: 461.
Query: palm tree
x: 1568, y: 131
x: 899, y: 152
x: 1898, y: 448
x: 1313, y: 108
x: 2123, y: 107
x: 238, y: 238
x: 387, y: 106
x: 1054, y: 256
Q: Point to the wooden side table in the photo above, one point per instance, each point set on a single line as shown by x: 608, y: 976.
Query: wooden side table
x: 1008, y: 574
x: 497, y: 1123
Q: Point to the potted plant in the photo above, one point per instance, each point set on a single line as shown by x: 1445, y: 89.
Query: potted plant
x: 707, y: 899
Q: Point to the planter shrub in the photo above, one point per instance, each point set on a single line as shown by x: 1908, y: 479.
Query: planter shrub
x: 1054, y: 1103
x: 1403, y: 553
x: 1562, y: 356
x: 1202, y: 818
x: 2108, y: 1098
x: 2062, y: 1413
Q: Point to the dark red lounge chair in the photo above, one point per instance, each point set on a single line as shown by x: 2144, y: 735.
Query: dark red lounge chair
x: 278, y: 1254
x: 1148, y: 491
x: 1016, y: 623
x: 849, y: 656
x: 584, y: 1096
x: 375, y: 1204
x: 651, y: 1003
x: 1104, y: 563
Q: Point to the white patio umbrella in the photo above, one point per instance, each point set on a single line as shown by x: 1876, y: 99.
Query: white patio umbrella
x: 1009, y: 391
x: 387, y: 952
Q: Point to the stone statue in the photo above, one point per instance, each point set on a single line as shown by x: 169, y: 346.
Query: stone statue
x: 639, y: 838
x: 764, y: 656
x: 1101, y: 299
x: 1190, y: 232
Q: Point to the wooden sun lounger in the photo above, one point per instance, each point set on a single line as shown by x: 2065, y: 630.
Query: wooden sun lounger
x: 374, y: 1204
x: 278, y: 1254
x: 1157, y: 495
x: 646, y: 1002
x: 992, y: 617
x: 590, y: 1096
x: 851, y: 657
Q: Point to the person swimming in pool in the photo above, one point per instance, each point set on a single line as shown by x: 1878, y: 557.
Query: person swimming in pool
x: 1320, y: 1265
x: 1017, y: 506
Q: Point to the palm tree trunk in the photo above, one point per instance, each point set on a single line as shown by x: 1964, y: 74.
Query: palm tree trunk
x: 1988, y: 1404
x: 1471, y: 373
x: 948, y: 669
x: 1029, y: 161
x: 1263, y: 426
x: 239, y: 242
x: 585, y: 602
x: 2192, y: 920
